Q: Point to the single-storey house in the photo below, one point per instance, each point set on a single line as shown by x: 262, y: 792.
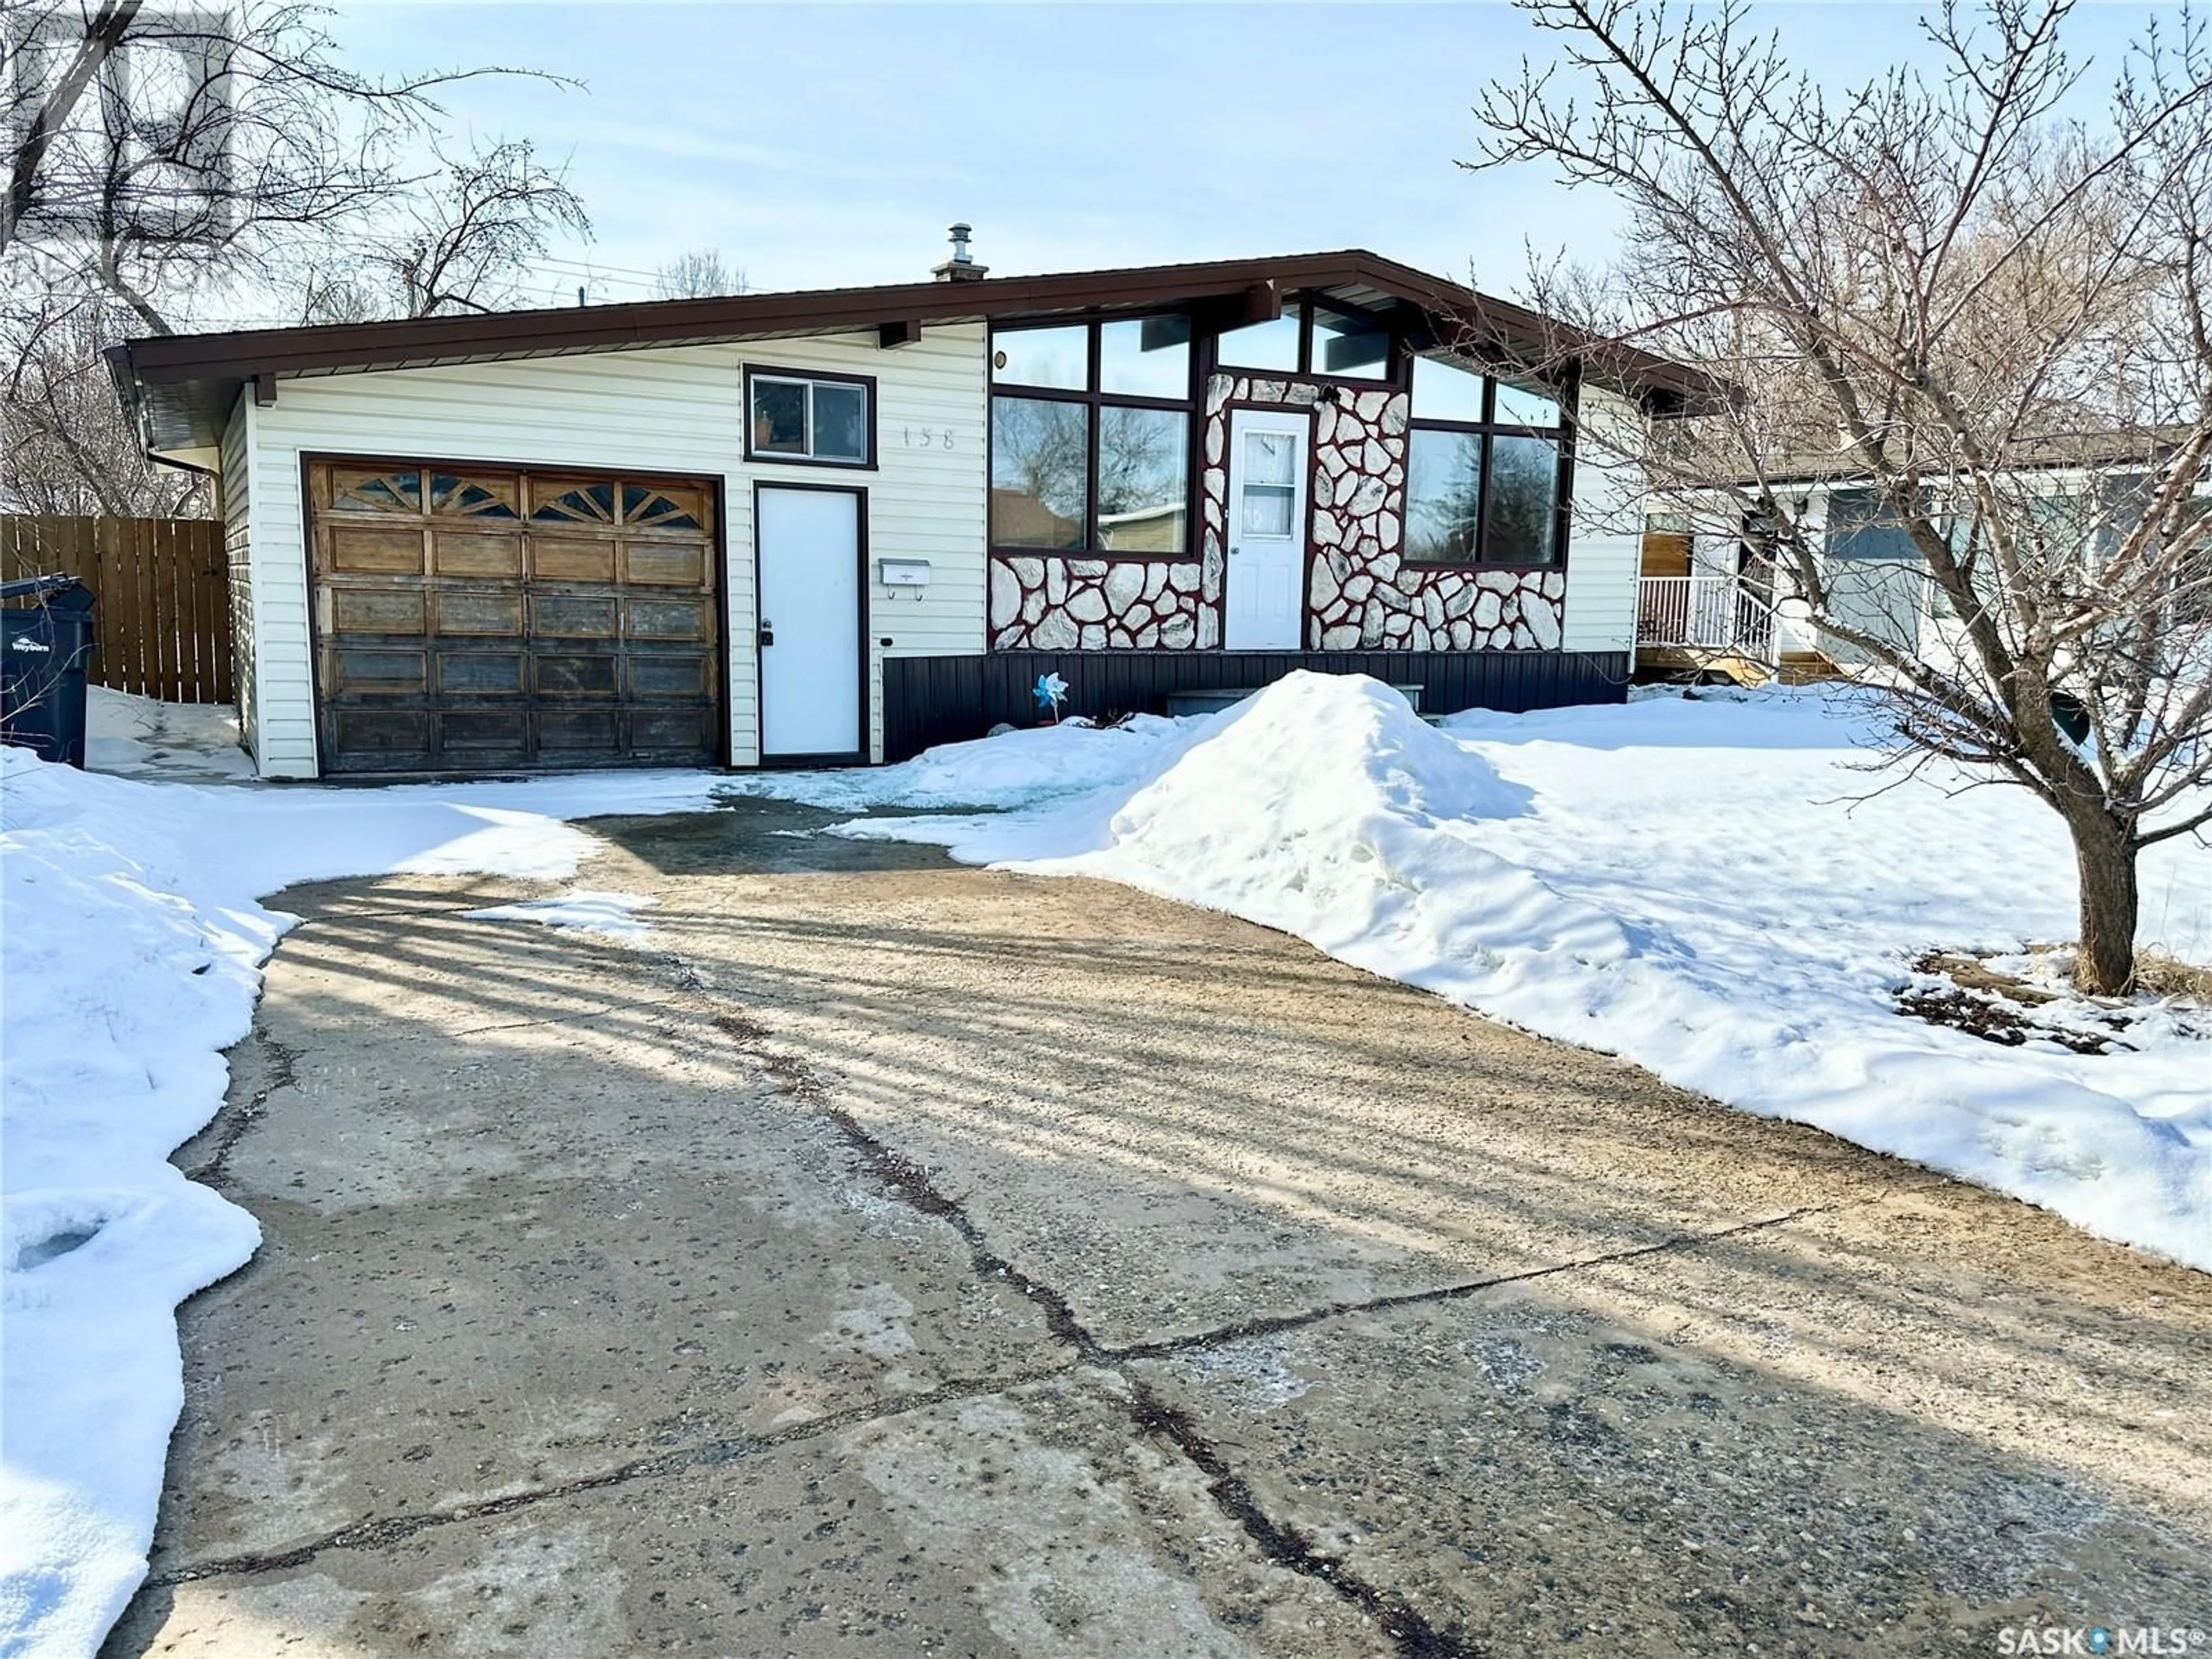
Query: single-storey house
x: 842, y: 524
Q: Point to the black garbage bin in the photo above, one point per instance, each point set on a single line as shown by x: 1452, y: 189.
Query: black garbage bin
x: 43, y: 653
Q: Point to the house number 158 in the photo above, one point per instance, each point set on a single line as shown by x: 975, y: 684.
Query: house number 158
x: 927, y: 437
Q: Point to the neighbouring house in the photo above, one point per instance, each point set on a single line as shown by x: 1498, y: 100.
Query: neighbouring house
x: 844, y: 525
x: 1710, y: 604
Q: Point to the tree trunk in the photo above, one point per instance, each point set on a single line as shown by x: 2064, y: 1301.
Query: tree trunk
x: 2104, y: 855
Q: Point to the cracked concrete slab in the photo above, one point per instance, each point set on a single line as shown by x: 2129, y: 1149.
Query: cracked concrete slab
x: 1755, y: 1444
x: 1011, y: 1523
x: 1951, y: 1305
x: 500, y: 1260
x: 1279, y: 1130
x: 1106, y: 1278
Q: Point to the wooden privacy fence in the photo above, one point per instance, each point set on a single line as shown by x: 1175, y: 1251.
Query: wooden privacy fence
x: 164, y: 594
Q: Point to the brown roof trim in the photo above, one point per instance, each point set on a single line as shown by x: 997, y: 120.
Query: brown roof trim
x: 181, y: 360
x: 651, y: 322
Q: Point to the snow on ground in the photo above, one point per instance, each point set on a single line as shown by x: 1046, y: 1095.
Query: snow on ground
x: 130, y: 944
x: 1019, y: 767
x: 138, y: 738
x: 1712, y: 889
x: 613, y: 914
x: 1708, y: 888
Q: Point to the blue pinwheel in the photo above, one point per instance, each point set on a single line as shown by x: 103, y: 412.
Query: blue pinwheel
x: 1050, y: 690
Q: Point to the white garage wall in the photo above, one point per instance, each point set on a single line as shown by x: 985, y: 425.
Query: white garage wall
x: 670, y: 410
x: 1605, y: 535
x: 236, y: 496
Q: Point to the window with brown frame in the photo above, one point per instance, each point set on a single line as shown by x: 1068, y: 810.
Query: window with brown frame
x: 1091, y: 438
x: 1312, y: 336
x: 802, y: 416
x: 1486, y: 469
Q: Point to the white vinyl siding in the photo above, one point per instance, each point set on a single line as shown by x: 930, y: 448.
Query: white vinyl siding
x: 237, y: 494
x: 680, y: 410
x: 1605, y: 528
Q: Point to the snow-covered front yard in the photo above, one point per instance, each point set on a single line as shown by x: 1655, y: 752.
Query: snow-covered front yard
x: 1712, y: 889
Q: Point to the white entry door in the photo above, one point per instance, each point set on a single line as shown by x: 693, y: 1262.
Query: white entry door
x: 810, y: 623
x: 1267, y: 530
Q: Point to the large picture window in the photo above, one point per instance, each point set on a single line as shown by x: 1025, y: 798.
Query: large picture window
x: 1091, y: 438
x: 1485, y: 469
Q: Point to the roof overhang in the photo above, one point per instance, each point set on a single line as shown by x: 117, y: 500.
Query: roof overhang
x: 183, y: 386
x: 2124, y: 450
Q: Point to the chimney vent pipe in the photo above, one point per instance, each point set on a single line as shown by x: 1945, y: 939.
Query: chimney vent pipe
x: 962, y: 266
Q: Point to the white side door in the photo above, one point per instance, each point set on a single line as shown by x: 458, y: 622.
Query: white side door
x: 809, y: 543
x: 1266, y: 576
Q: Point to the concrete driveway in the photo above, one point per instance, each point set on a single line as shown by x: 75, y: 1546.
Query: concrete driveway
x: 889, y: 1257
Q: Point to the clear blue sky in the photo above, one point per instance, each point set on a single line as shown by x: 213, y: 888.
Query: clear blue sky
x: 817, y: 145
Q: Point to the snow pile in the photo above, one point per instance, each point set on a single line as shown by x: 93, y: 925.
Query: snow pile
x: 131, y: 940
x: 1378, y: 862
x: 612, y: 915
x: 1700, y: 888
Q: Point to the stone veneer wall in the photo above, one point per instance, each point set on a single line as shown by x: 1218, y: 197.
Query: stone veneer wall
x: 1046, y: 603
x: 1360, y: 596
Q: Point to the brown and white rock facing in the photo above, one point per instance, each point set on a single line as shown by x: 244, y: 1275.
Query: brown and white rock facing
x: 1361, y: 595
x: 1049, y: 604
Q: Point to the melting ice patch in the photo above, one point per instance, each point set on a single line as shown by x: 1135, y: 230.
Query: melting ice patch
x: 612, y: 914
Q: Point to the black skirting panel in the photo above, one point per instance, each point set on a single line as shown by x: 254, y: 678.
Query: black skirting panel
x: 934, y: 700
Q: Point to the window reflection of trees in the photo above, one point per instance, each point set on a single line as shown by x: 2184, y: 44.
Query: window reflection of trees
x: 1523, y: 510
x: 1103, y: 466
x: 1480, y: 488
x: 1140, y: 460
x: 1040, y: 462
x: 1444, y: 497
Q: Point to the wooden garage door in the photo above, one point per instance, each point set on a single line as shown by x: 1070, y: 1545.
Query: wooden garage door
x: 472, y: 619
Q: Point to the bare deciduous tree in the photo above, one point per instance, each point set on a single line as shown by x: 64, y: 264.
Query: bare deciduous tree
x: 1988, y: 315
x: 69, y: 448
x: 465, y: 243
x: 159, y: 157
x: 700, y: 274
x: 160, y: 144
x: 1040, y: 461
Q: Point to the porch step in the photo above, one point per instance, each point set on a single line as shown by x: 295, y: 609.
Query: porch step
x: 1808, y: 668
x: 1214, y: 702
x: 1680, y: 665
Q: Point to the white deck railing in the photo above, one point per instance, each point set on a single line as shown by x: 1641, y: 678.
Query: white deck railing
x: 1704, y: 613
